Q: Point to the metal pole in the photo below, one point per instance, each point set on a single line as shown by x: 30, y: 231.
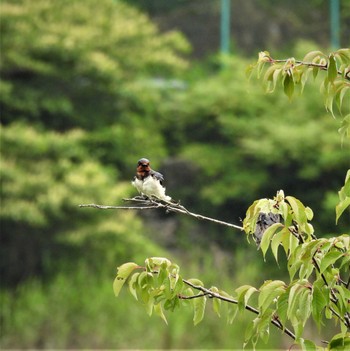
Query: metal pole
x: 335, y: 24
x: 225, y: 27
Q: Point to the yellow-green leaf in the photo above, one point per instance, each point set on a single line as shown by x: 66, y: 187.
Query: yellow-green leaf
x: 123, y: 273
x: 332, y: 69
x: 198, y: 309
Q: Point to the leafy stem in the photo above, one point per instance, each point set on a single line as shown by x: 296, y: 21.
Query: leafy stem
x: 275, y: 320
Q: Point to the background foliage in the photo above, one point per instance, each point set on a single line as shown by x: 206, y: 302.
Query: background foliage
x: 87, y: 88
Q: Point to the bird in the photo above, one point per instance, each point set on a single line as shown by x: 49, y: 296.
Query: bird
x: 149, y: 182
x: 265, y: 220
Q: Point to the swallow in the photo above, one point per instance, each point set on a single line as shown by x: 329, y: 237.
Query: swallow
x: 149, y: 182
x: 265, y: 220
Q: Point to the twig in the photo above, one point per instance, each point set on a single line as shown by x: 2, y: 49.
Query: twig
x: 146, y: 204
x: 309, y: 64
x: 276, y: 322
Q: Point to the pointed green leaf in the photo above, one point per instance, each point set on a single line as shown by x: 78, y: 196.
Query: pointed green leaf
x: 243, y: 295
x: 329, y: 259
x: 268, y: 234
x: 158, y: 309
x: 299, y: 211
x: 307, y: 345
x: 282, y: 306
x: 341, y: 207
x: 313, y: 56
x: 332, y: 69
x: 318, y: 304
x: 231, y: 312
x: 288, y: 84
x: 123, y: 273
x: 198, y: 309
x: 269, y: 292
x: 133, y: 284
x: 340, y: 342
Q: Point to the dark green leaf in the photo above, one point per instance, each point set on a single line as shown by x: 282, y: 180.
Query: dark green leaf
x: 340, y: 342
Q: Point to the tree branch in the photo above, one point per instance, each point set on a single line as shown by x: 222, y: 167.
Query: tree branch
x: 323, y: 67
x: 155, y: 203
x: 276, y: 322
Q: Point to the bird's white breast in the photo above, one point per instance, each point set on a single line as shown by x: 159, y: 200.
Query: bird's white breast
x: 151, y: 186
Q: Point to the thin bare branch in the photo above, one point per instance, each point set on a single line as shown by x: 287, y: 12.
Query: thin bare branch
x: 154, y: 203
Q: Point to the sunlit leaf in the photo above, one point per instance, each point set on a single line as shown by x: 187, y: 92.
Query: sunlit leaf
x: 307, y: 345
x: 282, y: 306
x: 269, y: 292
x: 216, y: 302
x: 243, y: 295
x: 268, y: 234
x: 329, y: 259
x: 299, y: 211
x: 133, y: 284
x: 158, y: 310
x: 123, y: 273
x: 198, y: 309
x: 312, y: 56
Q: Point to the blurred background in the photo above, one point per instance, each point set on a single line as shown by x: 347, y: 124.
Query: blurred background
x: 87, y: 88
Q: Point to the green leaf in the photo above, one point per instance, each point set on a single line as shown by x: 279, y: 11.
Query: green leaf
x: 155, y: 263
x: 313, y: 56
x: 198, y: 309
x: 305, y: 300
x: 149, y: 306
x: 243, y: 295
x: 282, y: 306
x: 299, y: 211
x: 332, y: 69
x: 216, y: 302
x: 133, y: 284
x: 269, y: 292
x: 340, y: 342
x: 231, y: 312
x: 307, y: 345
x: 272, y: 74
x: 344, y: 196
x: 268, y: 234
x: 341, y: 207
x: 319, y: 302
x: 158, y: 309
x: 343, y: 55
x: 288, y: 84
x: 123, y: 273
x: 344, y: 129
x: 309, y: 213
x: 195, y: 281
x: 296, y: 292
x: 329, y: 259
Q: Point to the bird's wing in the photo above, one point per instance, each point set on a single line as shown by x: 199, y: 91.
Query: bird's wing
x: 157, y: 176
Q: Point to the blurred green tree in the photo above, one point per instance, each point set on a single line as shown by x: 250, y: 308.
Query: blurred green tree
x: 69, y: 63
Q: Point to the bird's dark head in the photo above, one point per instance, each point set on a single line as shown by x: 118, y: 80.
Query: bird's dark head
x: 143, y: 165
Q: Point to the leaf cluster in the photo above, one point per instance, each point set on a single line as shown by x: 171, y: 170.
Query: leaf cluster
x: 291, y: 74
